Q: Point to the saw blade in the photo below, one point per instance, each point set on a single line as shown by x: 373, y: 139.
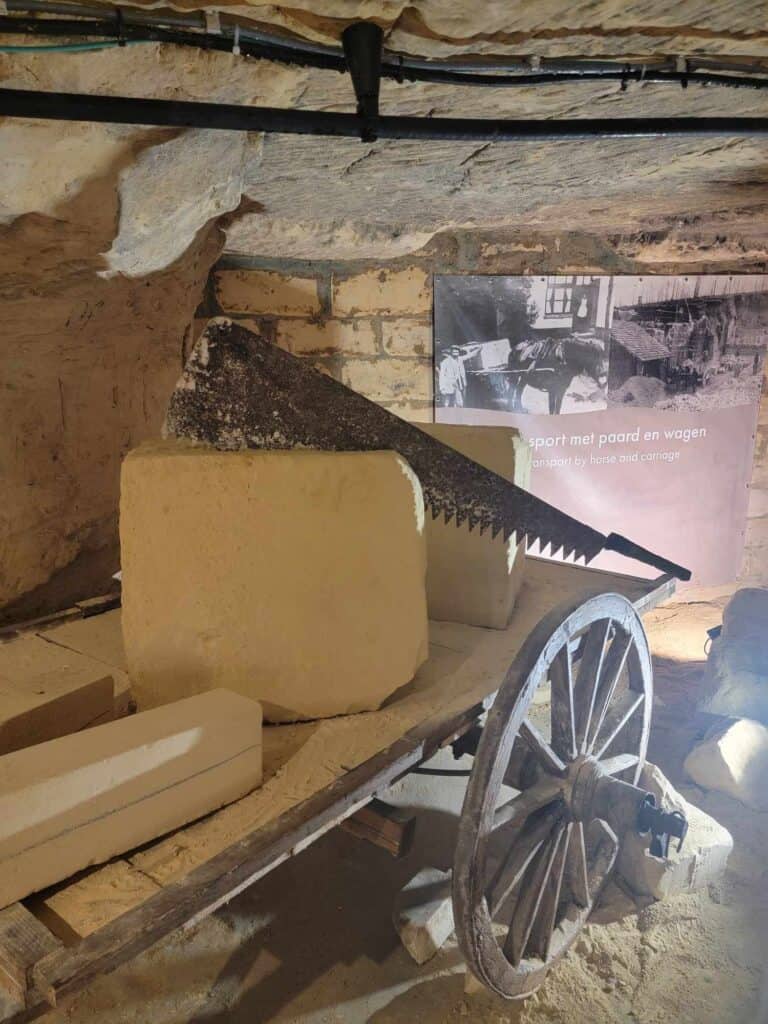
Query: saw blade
x: 240, y: 391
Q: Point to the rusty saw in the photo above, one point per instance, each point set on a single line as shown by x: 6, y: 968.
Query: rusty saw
x: 240, y: 391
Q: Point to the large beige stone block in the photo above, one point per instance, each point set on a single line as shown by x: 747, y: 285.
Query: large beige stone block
x: 733, y: 758
x: 80, y: 800
x: 474, y: 577
x: 295, y: 577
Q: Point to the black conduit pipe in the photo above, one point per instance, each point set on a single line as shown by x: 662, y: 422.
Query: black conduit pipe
x: 177, y: 114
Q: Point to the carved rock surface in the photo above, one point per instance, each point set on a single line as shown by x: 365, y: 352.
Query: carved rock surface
x: 702, y: 859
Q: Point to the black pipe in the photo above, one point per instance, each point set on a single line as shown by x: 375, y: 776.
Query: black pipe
x: 392, y: 67
x: 174, y: 113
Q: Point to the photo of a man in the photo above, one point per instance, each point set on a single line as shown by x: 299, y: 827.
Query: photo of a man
x: 452, y: 376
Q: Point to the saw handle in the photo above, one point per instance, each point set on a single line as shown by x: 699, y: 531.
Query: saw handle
x: 615, y: 542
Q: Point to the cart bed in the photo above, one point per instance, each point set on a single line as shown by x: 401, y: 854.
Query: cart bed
x: 315, y: 775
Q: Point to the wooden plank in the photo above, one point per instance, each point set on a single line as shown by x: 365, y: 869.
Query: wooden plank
x: 23, y: 941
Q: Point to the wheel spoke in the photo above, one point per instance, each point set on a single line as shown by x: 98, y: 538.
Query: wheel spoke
x: 577, y: 873
x: 517, y: 857
x: 546, y: 918
x: 541, y: 750
x: 532, y: 888
x: 563, y: 714
x: 524, y: 804
x: 625, y: 717
x: 619, y: 763
x: 588, y: 678
x: 612, y: 669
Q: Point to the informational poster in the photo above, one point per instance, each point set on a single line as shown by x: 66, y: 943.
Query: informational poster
x: 638, y: 397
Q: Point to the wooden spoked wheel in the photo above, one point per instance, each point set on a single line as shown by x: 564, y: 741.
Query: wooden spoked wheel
x: 551, y: 787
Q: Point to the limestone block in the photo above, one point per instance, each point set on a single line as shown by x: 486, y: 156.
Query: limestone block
x: 733, y: 759
x: 738, y: 659
x: 99, y: 637
x: 305, y: 337
x: 266, y: 291
x: 474, y: 577
x: 702, y: 859
x: 423, y: 914
x: 295, y: 577
x: 391, y: 292
x: 80, y: 800
x: 48, y: 691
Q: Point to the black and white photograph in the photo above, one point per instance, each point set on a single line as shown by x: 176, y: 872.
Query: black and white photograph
x: 687, y: 344
x: 579, y: 344
x: 522, y: 344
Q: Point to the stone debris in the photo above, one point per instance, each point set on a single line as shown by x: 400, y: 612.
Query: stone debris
x: 423, y: 914
x: 738, y: 659
x: 733, y: 759
x: 701, y: 861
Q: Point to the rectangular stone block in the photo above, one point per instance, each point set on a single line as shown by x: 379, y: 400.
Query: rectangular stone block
x: 305, y: 337
x: 423, y: 914
x: 80, y: 800
x: 48, y: 691
x: 266, y: 292
x: 472, y: 577
x: 391, y: 292
x: 294, y: 577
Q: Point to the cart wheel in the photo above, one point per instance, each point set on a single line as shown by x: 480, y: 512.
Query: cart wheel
x: 531, y: 860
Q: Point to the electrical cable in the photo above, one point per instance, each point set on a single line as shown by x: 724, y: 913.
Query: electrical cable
x: 188, y: 31
x: 107, y: 44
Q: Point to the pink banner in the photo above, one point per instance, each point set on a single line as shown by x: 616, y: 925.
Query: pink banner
x: 656, y: 399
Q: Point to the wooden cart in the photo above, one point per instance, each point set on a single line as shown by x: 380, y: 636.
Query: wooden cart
x: 569, y: 689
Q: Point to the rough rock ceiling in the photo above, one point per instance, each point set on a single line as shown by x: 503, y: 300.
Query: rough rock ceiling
x: 342, y: 199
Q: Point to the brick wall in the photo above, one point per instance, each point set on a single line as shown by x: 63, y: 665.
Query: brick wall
x: 370, y: 326
x: 370, y: 329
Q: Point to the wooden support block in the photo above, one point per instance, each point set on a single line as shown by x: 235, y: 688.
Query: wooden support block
x: 23, y: 941
x: 48, y: 691
x: 386, y: 826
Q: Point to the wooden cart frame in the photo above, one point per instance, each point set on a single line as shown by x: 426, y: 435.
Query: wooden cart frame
x: 39, y: 971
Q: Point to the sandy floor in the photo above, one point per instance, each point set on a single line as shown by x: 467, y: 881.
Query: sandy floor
x: 313, y: 942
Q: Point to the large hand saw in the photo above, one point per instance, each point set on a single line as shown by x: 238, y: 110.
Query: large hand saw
x: 240, y: 391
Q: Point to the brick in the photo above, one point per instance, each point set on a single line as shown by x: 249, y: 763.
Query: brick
x: 302, y: 337
x: 407, y: 337
x: 390, y: 292
x: 266, y: 292
x: 390, y: 380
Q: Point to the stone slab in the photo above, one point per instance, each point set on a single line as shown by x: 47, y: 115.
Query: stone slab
x: 472, y: 577
x: 48, y: 691
x: 293, y: 577
x: 738, y: 659
x: 80, y: 800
